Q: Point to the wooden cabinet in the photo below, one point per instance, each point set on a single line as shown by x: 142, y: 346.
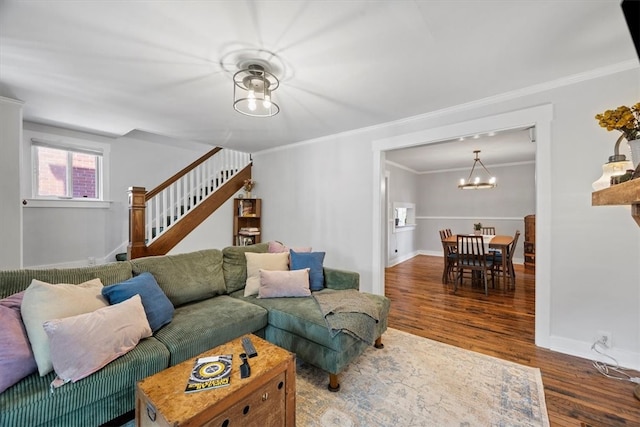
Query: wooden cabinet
x: 266, y: 398
x: 530, y: 242
x: 247, y: 226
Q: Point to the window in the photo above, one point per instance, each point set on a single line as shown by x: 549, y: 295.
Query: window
x: 66, y: 172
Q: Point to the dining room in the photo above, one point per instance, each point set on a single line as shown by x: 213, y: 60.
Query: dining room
x: 428, y: 177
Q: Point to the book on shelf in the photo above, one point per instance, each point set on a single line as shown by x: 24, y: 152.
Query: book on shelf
x: 210, y: 372
x: 249, y: 231
x: 246, y: 208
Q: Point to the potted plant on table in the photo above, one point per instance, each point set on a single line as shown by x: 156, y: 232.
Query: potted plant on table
x: 476, y: 228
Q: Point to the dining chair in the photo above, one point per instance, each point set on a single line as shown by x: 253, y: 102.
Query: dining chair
x: 450, y: 258
x: 488, y: 231
x: 497, y: 260
x: 472, y: 256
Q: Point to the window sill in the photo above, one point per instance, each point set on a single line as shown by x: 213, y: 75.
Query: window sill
x: 66, y: 203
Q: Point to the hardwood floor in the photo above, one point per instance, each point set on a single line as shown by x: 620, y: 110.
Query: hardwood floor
x: 502, y: 325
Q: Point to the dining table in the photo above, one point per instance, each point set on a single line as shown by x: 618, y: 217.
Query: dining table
x: 498, y: 242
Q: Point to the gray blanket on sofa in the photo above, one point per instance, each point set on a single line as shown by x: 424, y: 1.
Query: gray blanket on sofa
x: 349, y: 311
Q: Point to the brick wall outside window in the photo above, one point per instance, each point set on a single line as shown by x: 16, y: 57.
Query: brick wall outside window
x: 52, y: 173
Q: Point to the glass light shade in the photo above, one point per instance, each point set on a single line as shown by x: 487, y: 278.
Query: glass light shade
x: 611, y: 169
x: 253, y: 92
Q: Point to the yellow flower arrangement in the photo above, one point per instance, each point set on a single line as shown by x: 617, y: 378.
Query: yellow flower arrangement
x: 248, y: 185
x: 623, y: 119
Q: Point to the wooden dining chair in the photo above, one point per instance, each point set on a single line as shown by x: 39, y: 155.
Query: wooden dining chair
x: 497, y: 260
x: 472, y: 256
x: 488, y: 231
x: 450, y: 258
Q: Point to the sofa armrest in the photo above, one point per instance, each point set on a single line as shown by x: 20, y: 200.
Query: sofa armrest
x: 341, y: 279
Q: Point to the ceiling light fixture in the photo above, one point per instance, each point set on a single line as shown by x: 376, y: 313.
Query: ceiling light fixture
x: 253, y: 88
x: 477, y: 184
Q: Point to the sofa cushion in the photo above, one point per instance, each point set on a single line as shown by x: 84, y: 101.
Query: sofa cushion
x: 43, y: 301
x: 158, y: 308
x: 16, y: 357
x: 235, y: 264
x: 312, y: 261
x: 257, y: 262
x: 206, y: 324
x: 275, y: 284
x: 14, y: 281
x: 95, y: 400
x: 186, y: 277
x: 302, y: 317
x: 80, y: 345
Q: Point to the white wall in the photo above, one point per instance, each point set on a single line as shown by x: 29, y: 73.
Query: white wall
x: 320, y: 193
x: 402, y: 188
x: 69, y: 236
x: 442, y: 205
x: 11, y: 208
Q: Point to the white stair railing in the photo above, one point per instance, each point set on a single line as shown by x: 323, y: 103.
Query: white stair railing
x: 171, y: 204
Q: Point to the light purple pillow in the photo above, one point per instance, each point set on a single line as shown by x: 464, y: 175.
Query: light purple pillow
x: 83, y: 344
x: 16, y: 357
x: 290, y: 283
x: 277, y: 247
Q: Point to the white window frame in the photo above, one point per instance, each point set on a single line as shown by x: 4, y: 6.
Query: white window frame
x: 71, y: 144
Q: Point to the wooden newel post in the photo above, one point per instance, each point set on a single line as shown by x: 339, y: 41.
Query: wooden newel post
x: 137, y: 246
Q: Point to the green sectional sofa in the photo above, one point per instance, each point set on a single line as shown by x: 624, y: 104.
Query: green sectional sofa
x: 206, y: 289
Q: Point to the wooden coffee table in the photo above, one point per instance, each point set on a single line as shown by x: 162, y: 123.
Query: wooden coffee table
x: 267, y: 398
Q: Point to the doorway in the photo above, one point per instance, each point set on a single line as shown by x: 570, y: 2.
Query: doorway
x: 539, y: 117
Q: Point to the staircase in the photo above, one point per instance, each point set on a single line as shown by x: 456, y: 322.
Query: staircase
x: 160, y: 218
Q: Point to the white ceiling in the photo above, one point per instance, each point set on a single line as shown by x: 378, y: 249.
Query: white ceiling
x: 164, y: 67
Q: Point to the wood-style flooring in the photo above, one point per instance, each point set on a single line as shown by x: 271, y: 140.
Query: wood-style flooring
x: 502, y: 325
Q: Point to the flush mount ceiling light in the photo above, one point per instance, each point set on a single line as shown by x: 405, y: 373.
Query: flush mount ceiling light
x: 253, y: 90
x: 477, y: 183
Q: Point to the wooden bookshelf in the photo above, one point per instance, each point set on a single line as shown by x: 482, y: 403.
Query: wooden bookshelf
x: 246, y: 221
x: 627, y: 193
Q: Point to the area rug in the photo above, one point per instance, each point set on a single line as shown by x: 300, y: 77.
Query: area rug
x: 414, y: 381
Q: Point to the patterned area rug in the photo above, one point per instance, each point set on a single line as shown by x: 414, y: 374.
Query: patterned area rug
x: 414, y: 381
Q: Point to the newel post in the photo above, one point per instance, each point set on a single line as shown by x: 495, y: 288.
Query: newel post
x: 137, y: 247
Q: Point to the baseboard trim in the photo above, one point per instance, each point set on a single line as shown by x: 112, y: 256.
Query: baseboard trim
x: 625, y: 358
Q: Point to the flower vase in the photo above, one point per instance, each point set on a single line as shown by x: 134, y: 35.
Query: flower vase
x: 247, y: 194
x: 635, y: 152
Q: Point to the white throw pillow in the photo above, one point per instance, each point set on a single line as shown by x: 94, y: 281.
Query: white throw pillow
x: 266, y: 261
x: 43, y: 301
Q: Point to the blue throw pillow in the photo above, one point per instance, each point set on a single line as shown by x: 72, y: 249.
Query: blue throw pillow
x: 313, y: 261
x: 157, y: 306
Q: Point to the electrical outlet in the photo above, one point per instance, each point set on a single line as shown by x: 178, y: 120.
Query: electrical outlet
x: 604, y: 338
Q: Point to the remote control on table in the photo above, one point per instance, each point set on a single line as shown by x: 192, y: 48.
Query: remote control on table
x: 248, y: 347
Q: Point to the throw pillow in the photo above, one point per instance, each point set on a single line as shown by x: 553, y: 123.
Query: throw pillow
x: 312, y: 261
x: 43, y: 301
x: 157, y: 306
x: 16, y: 357
x: 277, y: 247
x: 83, y: 344
x: 255, y: 262
x: 275, y: 284
x: 184, y: 278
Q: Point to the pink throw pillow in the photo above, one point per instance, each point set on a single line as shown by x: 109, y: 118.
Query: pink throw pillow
x: 83, y: 344
x: 290, y: 283
x: 16, y: 357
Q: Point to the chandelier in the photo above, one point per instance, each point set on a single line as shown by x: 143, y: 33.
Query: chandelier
x: 477, y: 183
x: 252, y: 91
